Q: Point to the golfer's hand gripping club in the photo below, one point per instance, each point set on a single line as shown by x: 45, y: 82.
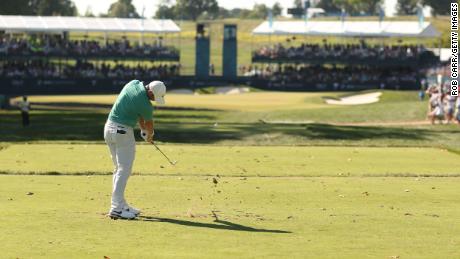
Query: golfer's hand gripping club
x: 145, y: 136
x: 147, y: 131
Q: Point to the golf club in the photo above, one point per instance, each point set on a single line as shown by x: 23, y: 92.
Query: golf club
x: 169, y: 160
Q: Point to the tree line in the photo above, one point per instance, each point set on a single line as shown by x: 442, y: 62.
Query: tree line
x: 372, y: 7
x: 209, y: 9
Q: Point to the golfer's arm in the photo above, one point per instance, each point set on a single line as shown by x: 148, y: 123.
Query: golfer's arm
x: 141, y: 123
x: 147, y: 126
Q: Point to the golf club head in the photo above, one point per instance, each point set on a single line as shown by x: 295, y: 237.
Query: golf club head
x: 173, y: 162
x: 169, y: 160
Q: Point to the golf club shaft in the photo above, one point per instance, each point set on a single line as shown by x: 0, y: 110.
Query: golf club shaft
x: 169, y: 160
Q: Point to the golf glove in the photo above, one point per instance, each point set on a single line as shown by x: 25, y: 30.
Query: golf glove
x: 144, y: 134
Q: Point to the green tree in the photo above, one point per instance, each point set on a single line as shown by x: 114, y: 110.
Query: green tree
x: 240, y: 13
x: 224, y: 13
x: 89, y: 12
x: 166, y: 12
x: 259, y: 11
x: 16, y: 7
x: 54, y: 7
x: 372, y: 6
x: 123, y: 9
x: 38, y: 7
x: 329, y: 6
x: 406, y: 7
x: 298, y: 4
x: 358, y: 6
x: 440, y: 7
x: 192, y: 9
x: 277, y: 9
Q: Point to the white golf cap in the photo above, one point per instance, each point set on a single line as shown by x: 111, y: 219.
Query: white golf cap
x: 158, y: 89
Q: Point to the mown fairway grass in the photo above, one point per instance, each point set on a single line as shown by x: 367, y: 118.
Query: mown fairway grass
x: 296, y: 179
x: 256, y: 217
x: 234, y: 160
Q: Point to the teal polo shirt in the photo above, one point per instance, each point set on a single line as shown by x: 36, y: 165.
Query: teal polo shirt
x: 132, y: 103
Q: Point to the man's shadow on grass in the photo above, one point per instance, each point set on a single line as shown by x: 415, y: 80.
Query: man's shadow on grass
x: 222, y: 224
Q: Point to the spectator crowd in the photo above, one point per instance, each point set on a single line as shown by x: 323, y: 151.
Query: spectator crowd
x: 342, y: 52
x: 335, y: 76
x: 48, y: 70
x: 442, y: 107
x: 57, y: 46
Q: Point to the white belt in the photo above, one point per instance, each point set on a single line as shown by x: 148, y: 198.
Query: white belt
x: 112, y: 123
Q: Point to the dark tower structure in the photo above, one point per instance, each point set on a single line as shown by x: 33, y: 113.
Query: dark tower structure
x: 230, y: 51
x: 202, y: 50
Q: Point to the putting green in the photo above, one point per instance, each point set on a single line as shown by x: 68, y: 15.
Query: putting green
x: 234, y: 160
x: 257, y: 217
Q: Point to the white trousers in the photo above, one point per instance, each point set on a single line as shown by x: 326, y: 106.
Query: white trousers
x: 122, y: 145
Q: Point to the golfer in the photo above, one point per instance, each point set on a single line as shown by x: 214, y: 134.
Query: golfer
x: 132, y: 105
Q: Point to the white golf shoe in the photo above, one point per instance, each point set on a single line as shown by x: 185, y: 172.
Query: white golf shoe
x: 122, y: 214
x: 133, y: 210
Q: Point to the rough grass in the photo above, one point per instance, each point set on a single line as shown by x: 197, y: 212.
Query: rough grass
x: 258, y: 118
x: 256, y: 217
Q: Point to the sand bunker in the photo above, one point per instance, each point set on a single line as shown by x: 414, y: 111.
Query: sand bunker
x: 356, y: 99
x: 231, y: 90
x: 181, y: 91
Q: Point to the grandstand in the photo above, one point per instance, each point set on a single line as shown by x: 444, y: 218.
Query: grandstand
x: 98, y: 55
x: 298, y: 65
x: 55, y: 54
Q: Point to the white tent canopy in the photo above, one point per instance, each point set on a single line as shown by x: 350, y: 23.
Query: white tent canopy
x: 348, y: 29
x: 64, y: 23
